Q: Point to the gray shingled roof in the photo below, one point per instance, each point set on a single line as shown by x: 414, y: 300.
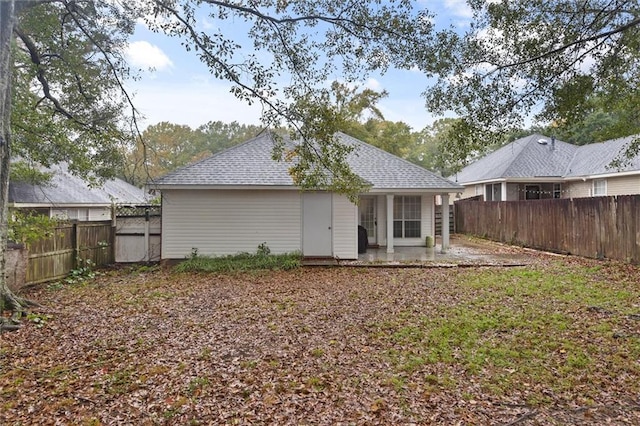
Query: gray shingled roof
x: 67, y: 189
x: 251, y: 164
x: 596, y: 158
x: 525, y: 157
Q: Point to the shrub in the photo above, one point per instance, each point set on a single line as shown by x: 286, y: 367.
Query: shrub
x: 262, y: 259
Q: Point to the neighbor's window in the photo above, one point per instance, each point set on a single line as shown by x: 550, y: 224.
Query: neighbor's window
x: 599, y: 187
x: 557, y: 190
x: 406, y: 217
x: 532, y: 192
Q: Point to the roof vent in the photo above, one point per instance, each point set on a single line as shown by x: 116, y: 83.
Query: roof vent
x: 543, y: 141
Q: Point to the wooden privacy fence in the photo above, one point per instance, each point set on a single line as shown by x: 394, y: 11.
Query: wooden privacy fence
x: 71, y: 246
x: 598, y: 227
x: 438, y: 220
x: 134, y: 236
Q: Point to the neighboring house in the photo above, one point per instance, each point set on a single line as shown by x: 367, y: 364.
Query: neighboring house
x: 70, y: 197
x: 239, y: 198
x: 537, y: 166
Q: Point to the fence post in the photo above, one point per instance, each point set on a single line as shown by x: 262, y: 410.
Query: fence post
x: 114, y: 213
x: 76, y: 246
x: 147, y: 257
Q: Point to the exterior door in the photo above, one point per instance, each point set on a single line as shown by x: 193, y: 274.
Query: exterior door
x: 368, y: 217
x: 316, y: 224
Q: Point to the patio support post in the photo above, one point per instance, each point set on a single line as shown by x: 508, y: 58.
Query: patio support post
x: 445, y: 222
x: 389, y: 223
x: 503, y: 191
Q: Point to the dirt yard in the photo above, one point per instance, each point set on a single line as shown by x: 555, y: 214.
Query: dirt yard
x: 556, y: 342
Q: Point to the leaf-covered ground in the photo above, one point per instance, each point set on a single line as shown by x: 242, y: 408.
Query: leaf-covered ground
x: 557, y: 342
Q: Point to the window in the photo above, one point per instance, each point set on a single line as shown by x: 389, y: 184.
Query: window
x: 493, y: 192
x: 532, y: 192
x: 557, y: 190
x: 599, y: 187
x: 406, y: 217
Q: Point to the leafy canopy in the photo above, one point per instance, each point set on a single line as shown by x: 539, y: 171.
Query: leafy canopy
x: 555, y: 60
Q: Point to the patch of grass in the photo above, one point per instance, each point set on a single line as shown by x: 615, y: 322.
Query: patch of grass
x: 196, y: 385
x: 317, y: 352
x: 240, y: 262
x: 516, y: 329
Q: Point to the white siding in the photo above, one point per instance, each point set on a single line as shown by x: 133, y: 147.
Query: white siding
x: 345, y: 228
x: 577, y: 189
x: 219, y: 222
x: 626, y: 185
x: 471, y: 191
x: 103, y: 213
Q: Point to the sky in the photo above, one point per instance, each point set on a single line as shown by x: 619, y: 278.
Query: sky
x: 175, y: 86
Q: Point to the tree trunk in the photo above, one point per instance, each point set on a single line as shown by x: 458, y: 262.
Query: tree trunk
x: 8, y: 301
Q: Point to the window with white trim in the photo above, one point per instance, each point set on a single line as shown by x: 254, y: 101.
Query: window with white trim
x: 557, y: 190
x: 407, y: 214
x: 599, y: 187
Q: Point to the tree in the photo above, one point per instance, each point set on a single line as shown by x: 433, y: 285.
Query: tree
x: 164, y: 147
x: 61, y: 97
x: 540, y: 58
x: 307, y: 42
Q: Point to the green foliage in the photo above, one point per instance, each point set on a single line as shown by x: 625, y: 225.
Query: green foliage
x: 240, y: 262
x: 563, y: 63
x: 40, y: 320
x: 164, y: 147
x: 82, y: 273
x: 28, y: 227
x: 22, y: 171
x: 67, y: 95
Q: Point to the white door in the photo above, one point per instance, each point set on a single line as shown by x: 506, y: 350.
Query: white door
x: 316, y: 224
x: 368, y: 220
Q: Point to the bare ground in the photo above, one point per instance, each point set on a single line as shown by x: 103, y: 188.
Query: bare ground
x: 312, y: 346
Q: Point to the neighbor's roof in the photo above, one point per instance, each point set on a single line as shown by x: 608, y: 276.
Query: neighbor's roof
x: 251, y: 164
x: 531, y: 156
x: 596, y: 158
x: 67, y: 189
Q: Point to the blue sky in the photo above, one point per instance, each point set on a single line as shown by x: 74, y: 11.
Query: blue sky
x: 181, y: 90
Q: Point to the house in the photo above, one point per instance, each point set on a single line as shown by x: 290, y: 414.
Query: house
x: 537, y: 167
x: 239, y: 198
x: 70, y: 197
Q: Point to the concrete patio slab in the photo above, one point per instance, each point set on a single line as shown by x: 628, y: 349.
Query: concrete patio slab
x: 463, y: 251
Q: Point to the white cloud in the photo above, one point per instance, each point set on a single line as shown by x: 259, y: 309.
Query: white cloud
x: 373, y: 84
x: 145, y: 55
x: 459, y: 8
x: 192, y: 102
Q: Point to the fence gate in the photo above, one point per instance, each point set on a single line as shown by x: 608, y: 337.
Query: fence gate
x: 138, y: 232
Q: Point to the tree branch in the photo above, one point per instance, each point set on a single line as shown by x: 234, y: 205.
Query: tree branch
x: 35, y: 59
x: 553, y: 52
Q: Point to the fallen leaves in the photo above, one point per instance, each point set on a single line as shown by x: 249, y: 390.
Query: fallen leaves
x: 331, y: 346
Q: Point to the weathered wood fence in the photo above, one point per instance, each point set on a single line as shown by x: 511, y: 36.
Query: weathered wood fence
x: 598, y: 227
x: 133, y: 237
x: 71, y: 246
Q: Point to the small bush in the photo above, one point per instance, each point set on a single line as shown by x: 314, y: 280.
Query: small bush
x: 240, y: 262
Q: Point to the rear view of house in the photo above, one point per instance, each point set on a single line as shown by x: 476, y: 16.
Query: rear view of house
x: 539, y: 167
x: 240, y: 198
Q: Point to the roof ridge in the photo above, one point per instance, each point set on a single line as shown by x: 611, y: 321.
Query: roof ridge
x: 264, y: 132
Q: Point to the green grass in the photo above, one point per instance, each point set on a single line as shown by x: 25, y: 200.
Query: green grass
x: 518, y: 329
x: 241, y: 262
